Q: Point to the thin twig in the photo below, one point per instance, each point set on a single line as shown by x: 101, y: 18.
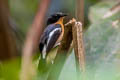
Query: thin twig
x: 79, y: 48
x: 112, y: 11
x: 80, y: 11
x: 62, y: 52
x: 31, y: 42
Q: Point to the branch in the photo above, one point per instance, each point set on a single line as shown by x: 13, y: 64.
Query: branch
x: 62, y: 52
x: 80, y: 10
x: 79, y: 48
x: 78, y: 38
x: 31, y: 42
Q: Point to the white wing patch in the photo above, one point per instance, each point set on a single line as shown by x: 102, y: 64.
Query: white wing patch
x: 51, y: 33
x: 44, y: 52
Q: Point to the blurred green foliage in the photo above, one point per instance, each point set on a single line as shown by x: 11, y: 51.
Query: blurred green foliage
x: 102, y: 43
x: 97, y: 11
x: 22, y: 12
x: 9, y: 70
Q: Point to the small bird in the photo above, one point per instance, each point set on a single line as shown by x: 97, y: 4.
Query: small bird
x: 52, y: 34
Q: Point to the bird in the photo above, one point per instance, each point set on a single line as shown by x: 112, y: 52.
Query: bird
x: 53, y: 33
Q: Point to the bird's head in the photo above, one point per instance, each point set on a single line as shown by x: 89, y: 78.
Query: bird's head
x: 55, y: 17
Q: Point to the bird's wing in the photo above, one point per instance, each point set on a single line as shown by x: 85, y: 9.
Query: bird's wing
x: 49, y: 37
x: 53, y: 37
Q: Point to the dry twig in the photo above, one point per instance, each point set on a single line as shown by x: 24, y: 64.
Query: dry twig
x: 79, y: 48
x: 78, y: 39
x: 80, y: 11
x: 112, y: 11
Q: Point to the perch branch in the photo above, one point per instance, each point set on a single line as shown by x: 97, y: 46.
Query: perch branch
x: 78, y: 48
x: 31, y: 42
x: 62, y: 52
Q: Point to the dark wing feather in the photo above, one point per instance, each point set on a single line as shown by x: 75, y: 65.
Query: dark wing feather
x: 46, y: 35
x: 53, y: 39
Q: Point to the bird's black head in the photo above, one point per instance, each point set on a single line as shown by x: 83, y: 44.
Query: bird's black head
x: 55, y: 17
